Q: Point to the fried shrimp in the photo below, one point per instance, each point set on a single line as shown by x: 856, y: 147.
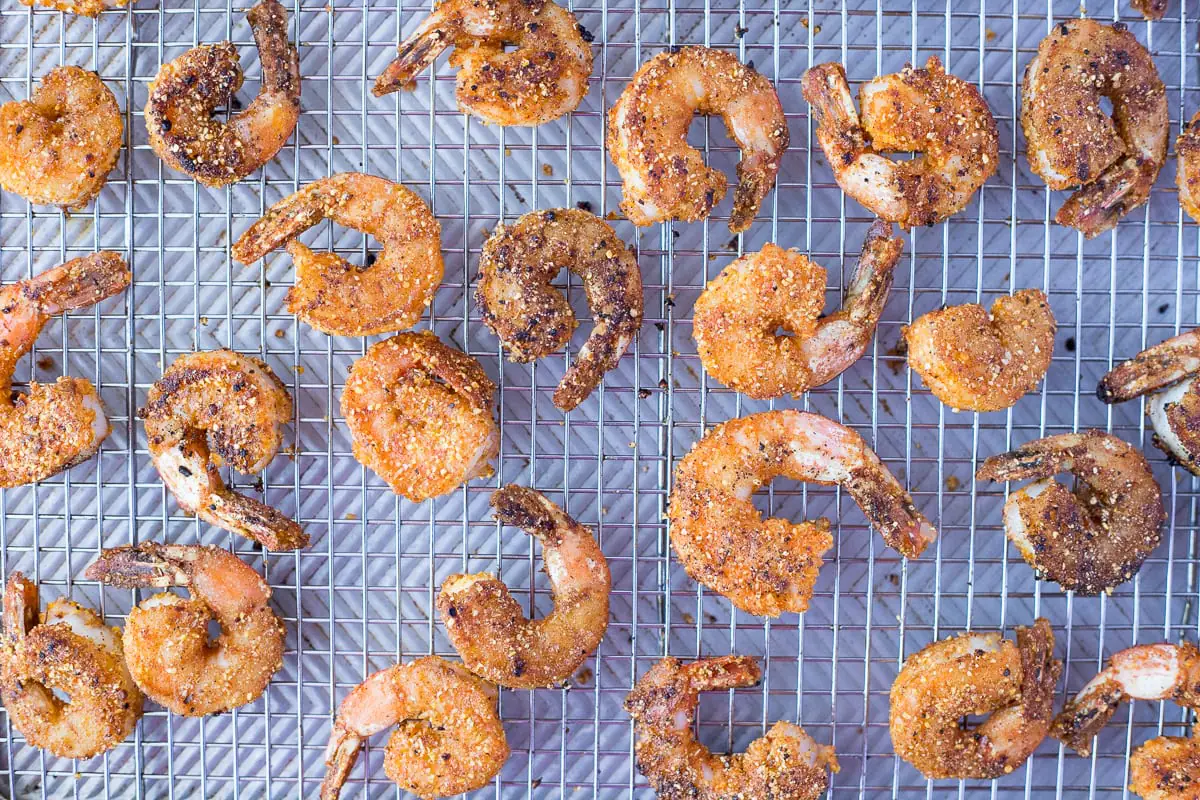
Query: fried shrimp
x: 214, y: 408
x: 533, y: 319
x: 974, y: 360
x: 786, y: 762
x: 926, y: 111
x: 449, y: 737
x: 1091, y: 539
x: 737, y: 315
x: 485, y: 623
x: 420, y: 415
x: 187, y: 91
x: 330, y: 293
x: 544, y: 76
x: 975, y: 673
x: 70, y: 650
x: 57, y: 147
x: 1166, y: 768
x: 88, y: 8
x: 665, y: 178
x: 1070, y: 139
x: 166, y: 638
x: 55, y: 426
x: 768, y: 567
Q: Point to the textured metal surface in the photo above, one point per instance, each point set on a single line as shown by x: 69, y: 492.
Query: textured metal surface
x: 361, y: 596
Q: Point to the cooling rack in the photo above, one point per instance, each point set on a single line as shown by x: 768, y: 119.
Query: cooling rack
x: 362, y: 595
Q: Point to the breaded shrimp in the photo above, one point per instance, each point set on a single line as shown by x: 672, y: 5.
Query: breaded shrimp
x: 784, y: 763
x: 1071, y: 141
x: 57, y: 147
x: 485, y: 623
x: 665, y: 178
x: 55, y: 426
x: 533, y: 319
x: 420, y: 415
x: 331, y: 294
x: 70, y: 650
x: 975, y: 673
x: 927, y: 111
x: 768, y: 567
x: 88, y: 8
x: 166, y: 638
x: 448, y: 738
x: 1166, y: 768
x: 544, y: 76
x: 186, y: 92
x: 978, y: 361
x: 1187, y: 172
x: 1150, y: 9
x: 737, y: 316
x: 214, y: 408
x: 1092, y: 538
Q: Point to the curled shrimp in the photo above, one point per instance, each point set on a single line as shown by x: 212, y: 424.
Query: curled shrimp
x: 533, y: 319
x: 166, y: 638
x: 665, y: 178
x: 186, y: 91
x: 1070, y: 139
x: 57, y: 147
x: 786, y: 762
x: 420, y: 415
x: 544, y: 76
x: 55, y: 426
x: 449, y: 737
x: 975, y: 673
x: 1187, y: 173
x: 214, y: 408
x: 768, y: 567
x: 979, y: 361
x: 485, y: 623
x: 927, y: 111
x: 330, y: 293
x: 1167, y: 372
x: 69, y: 649
x: 737, y: 315
x: 1093, y: 538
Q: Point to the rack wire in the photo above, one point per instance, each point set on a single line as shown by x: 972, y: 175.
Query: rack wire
x: 361, y: 596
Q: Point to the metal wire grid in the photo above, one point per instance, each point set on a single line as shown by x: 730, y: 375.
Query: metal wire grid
x: 361, y: 596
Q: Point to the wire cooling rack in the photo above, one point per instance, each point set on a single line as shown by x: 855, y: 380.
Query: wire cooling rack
x: 362, y: 595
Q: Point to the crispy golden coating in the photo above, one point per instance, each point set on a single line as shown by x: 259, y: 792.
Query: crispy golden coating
x: 665, y: 178
x: 975, y: 673
x: 1071, y: 141
x: 1150, y: 9
x: 737, y: 317
x: 973, y: 360
x: 186, y: 92
x: 88, y: 8
x: 543, y: 77
x: 1166, y: 768
x: 926, y: 111
x: 1187, y: 173
x: 57, y: 147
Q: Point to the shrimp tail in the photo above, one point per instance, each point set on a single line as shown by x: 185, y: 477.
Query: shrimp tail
x: 1084, y: 715
x: 79, y: 283
x: 726, y: 672
x: 528, y: 510
x: 756, y: 177
x: 1099, y: 206
x: 890, y: 510
x: 243, y: 515
x: 874, y: 273
x: 284, y: 220
x: 136, y: 567
x: 340, y: 755
x: 1155, y: 368
x: 280, y: 61
x: 1039, y: 670
x: 838, y: 125
x: 20, y: 608
x: 414, y: 55
x: 1034, y: 460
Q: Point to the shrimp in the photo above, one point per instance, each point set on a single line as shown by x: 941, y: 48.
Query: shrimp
x: 485, y: 623
x: 1071, y: 141
x: 57, y: 147
x: 88, y: 8
x: 420, y: 415
x: 70, y: 651
x: 55, y: 426
x: 1187, y: 174
x: 1167, y: 372
x: 978, y: 361
x: 544, y: 77
x: 331, y: 294
x: 449, y: 737
x: 786, y: 762
x: 665, y: 178
x: 214, y: 408
x: 927, y: 111
x: 1166, y: 768
x: 186, y: 91
x: 166, y: 638
x: 737, y: 315
x: 533, y: 319
x: 768, y: 567
x: 975, y: 673
x: 1093, y: 538
x: 1150, y: 9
